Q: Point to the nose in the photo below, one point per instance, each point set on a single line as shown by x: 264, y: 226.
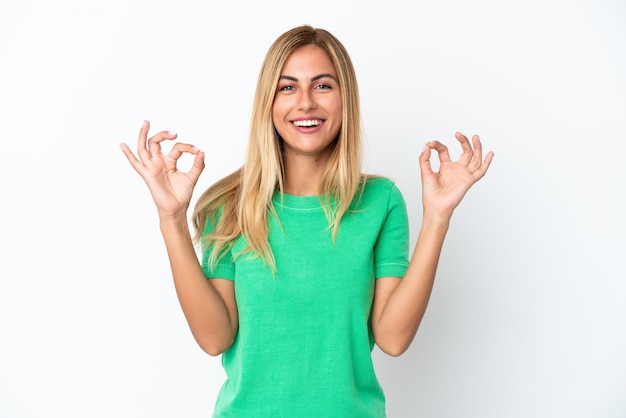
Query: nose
x: 306, y: 100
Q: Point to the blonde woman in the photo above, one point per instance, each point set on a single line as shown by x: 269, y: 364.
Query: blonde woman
x: 305, y: 260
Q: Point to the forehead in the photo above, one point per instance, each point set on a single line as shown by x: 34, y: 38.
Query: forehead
x: 308, y: 59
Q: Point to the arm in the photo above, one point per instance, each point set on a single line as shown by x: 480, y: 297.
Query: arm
x: 400, y: 304
x: 209, y: 305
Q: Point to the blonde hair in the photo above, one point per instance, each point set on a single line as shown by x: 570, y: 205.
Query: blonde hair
x: 243, y: 199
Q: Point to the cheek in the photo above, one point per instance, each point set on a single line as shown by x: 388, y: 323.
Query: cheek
x: 278, y: 120
x: 279, y: 110
x: 276, y: 113
x: 337, y: 116
x: 335, y: 106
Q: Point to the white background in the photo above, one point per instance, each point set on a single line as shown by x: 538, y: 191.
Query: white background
x: 527, y: 318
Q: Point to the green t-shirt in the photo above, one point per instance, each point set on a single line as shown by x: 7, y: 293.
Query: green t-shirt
x: 304, y: 343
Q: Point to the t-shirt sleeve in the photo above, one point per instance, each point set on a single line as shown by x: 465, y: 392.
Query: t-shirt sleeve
x: 224, y: 268
x: 391, y: 253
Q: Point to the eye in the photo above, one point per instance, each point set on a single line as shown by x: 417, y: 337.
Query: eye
x: 287, y: 87
x: 323, y: 87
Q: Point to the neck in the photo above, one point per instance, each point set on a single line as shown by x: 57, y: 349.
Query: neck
x: 303, y: 174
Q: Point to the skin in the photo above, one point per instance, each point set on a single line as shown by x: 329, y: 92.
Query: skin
x: 209, y: 305
x: 306, y: 91
x: 399, y: 304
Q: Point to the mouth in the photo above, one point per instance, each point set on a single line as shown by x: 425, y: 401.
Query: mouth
x: 308, y: 123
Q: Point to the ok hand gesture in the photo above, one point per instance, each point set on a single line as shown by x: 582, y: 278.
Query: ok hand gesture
x: 442, y: 191
x: 170, y: 188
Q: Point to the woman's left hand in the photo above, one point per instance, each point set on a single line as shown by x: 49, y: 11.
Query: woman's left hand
x: 442, y: 191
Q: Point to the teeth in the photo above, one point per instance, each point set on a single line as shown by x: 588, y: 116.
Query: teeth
x: 307, y: 122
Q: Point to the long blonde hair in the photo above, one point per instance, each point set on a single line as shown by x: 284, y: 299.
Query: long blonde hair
x: 243, y: 199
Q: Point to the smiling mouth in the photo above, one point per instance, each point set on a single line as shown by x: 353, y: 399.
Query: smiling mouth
x: 307, y: 123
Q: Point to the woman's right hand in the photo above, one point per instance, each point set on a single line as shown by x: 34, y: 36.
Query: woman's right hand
x: 170, y: 188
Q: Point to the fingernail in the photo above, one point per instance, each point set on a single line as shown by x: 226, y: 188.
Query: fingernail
x: 172, y: 133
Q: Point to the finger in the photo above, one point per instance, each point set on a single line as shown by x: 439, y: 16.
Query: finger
x: 154, y: 143
x: 198, y: 162
x: 477, y: 158
x: 142, y: 149
x: 134, y: 162
x: 482, y: 170
x: 466, y: 156
x: 442, y: 151
x: 180, y: 148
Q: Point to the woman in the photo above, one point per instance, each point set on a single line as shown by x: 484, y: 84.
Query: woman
x: 304, y: 258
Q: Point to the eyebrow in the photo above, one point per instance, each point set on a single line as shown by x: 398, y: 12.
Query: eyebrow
x: 317, y: 77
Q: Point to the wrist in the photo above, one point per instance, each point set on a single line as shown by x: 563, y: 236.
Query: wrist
x: 177, y: 221
x: 437, y: 217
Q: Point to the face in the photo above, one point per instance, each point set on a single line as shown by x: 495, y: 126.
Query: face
x: 307, y: 108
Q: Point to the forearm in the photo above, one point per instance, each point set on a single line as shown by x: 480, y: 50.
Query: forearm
x: 404, y: 309
x: 207, y: 314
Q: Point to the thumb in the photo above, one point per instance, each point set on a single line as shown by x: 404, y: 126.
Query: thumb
x: 198, y: 166
x: 424, y: 160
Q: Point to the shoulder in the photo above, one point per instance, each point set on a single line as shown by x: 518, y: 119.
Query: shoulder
x: 380, y: 186
x: 377, y: 183
x: 378, y: 190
